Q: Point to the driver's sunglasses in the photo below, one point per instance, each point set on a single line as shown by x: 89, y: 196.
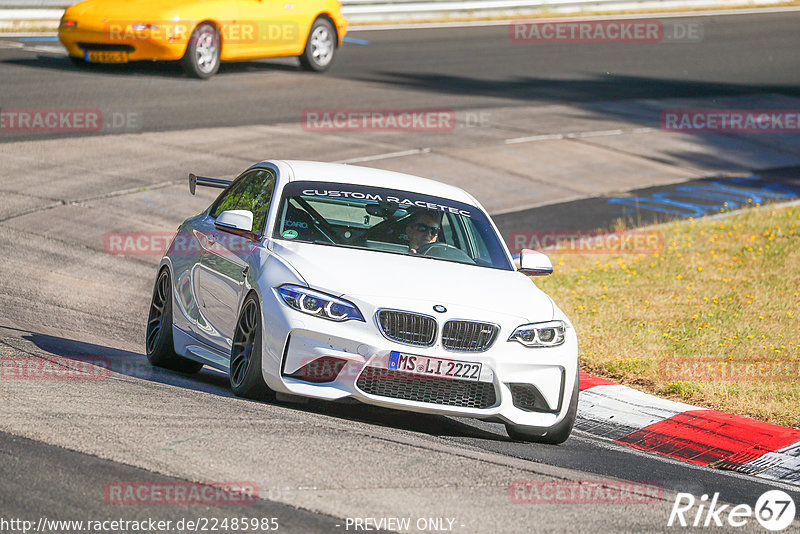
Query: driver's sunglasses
x: 422, y: 227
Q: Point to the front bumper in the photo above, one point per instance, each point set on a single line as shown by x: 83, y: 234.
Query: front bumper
x: 139, y: 46
x: 354, y: 359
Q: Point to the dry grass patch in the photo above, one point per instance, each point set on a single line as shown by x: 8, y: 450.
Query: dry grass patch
x: 712, y: 319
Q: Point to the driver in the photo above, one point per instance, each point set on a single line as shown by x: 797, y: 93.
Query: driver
x: 422, y: 228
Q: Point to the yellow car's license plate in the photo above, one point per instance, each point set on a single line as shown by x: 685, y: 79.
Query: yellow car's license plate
x: 103, y: 56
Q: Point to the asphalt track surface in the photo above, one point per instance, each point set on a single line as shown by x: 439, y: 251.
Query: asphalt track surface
x: 336, y: 460
x: 452, y: 68
x: 41, y: 479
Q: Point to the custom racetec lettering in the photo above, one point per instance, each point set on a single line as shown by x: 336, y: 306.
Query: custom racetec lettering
x: 377, y: 197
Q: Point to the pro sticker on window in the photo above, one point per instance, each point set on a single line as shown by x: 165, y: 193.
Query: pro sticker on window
x: 289, y: 234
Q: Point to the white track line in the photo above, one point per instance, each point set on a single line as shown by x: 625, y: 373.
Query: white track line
x: 513, y: 141
x: 55, y: 50
x: 388, y: 155
x: 576, y: 135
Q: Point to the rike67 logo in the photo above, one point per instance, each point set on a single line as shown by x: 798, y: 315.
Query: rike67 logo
x: 774, y: 510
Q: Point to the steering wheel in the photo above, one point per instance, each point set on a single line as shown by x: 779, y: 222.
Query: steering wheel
x: 444, y: 251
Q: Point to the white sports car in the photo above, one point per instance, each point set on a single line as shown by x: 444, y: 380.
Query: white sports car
x: 334, y: 281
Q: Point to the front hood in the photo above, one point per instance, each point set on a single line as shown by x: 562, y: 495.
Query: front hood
x: 128, y: 11
x: 384, y: 279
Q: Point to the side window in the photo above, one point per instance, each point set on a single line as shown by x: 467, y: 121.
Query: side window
x: 482, y: 254
x: 229, y: 198
x: 252, y: 192
x: 258, y: 198
x: 456, y: 230
x: 447, y: 234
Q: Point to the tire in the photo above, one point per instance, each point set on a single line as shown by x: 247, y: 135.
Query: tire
x: 245, y: 369
x: 201, y: 59
x: 320, y: 47
x: 158, y: 341
x: 552, y: 435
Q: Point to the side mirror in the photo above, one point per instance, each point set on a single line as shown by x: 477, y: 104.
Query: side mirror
x: 534, y: 263
x: 235, y: 221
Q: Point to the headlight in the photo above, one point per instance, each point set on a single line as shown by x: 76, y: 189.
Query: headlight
x: 549, y: 334
x: 313, y: 302
x: 68, y: 24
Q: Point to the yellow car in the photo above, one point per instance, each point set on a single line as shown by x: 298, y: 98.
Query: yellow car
x: 201, y: 33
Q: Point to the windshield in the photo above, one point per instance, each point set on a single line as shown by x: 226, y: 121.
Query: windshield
x: 388, y: 220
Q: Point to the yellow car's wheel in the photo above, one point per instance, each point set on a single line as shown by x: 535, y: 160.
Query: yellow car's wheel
x: 320, y: 46
x: 201, y: 59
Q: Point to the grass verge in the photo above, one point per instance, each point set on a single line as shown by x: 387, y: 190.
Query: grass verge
x: 711, y: 319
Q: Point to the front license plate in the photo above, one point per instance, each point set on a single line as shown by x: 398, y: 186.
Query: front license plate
x: 438, y: 367
x: 103, y: 56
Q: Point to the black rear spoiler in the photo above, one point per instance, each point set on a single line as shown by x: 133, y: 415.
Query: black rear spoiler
x: 195, y: 180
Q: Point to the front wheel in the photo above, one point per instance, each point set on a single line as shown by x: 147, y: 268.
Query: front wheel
x: 320, y: 47
x: 158, y: 342
x: 245, y: 367
x: 555, y: 434
x: 201, y: 59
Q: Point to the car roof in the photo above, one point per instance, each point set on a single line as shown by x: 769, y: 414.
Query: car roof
x: 315, y: 171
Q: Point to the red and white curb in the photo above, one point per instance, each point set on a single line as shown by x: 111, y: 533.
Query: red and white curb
x: 696, y: 435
